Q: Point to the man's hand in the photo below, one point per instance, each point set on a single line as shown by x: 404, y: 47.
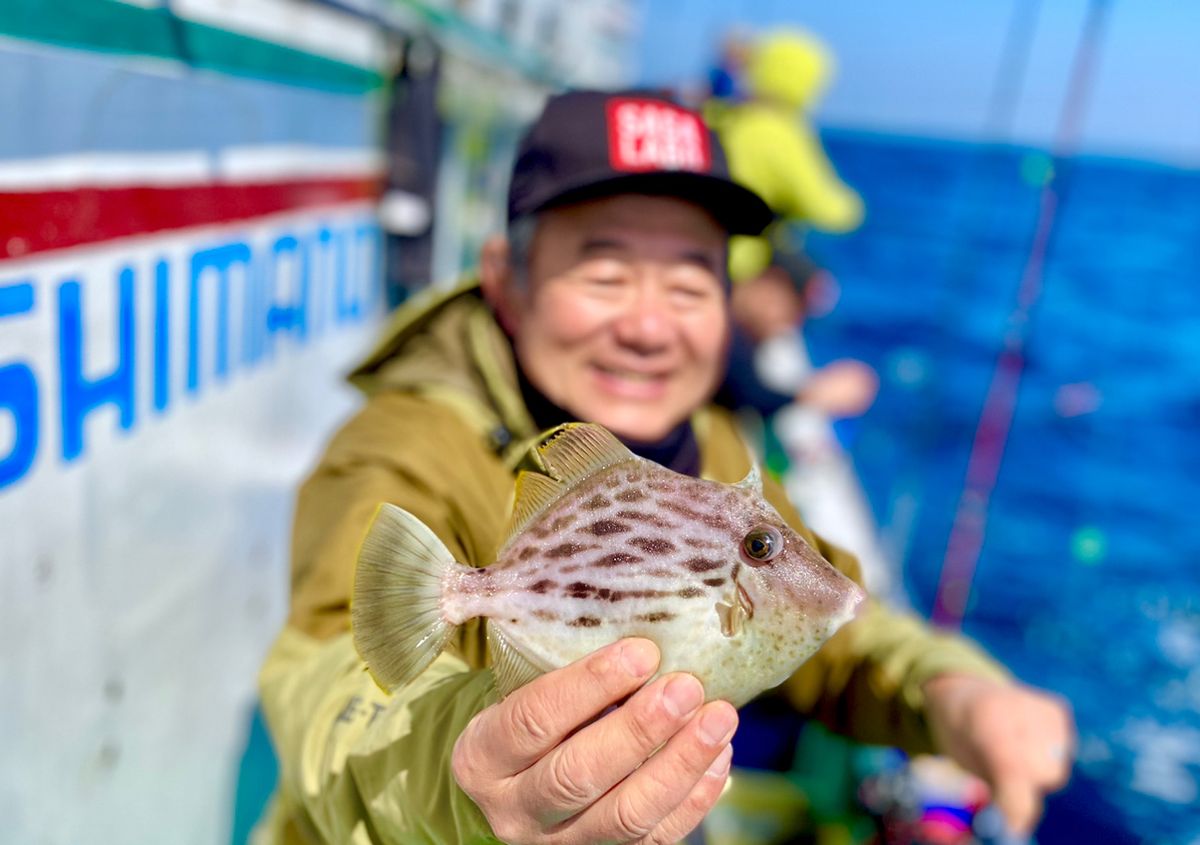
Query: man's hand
x: 1019, y: 740
x: 647, y: 771
x: 842, y: 389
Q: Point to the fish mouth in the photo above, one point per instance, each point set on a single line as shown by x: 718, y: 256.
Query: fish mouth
x: 849, y: 600
x: 858, y: 602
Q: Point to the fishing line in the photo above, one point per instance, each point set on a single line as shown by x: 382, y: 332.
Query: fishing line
x: 1010, y: 73
x: 995, y: 421
x: 962, y: 266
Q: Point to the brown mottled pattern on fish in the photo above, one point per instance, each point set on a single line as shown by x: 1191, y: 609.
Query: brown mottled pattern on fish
x: 609, y: 546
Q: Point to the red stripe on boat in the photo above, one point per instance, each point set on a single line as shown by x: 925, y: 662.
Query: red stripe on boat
x: 46, y: 220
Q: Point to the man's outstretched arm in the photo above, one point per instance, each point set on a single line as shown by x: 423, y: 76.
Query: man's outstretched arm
x: 587, y: 753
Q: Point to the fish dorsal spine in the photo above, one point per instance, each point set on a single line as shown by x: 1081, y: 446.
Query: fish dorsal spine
x: 576, y: 451
x: 753, y: 480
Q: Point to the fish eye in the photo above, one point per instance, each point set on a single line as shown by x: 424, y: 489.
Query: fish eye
x: 762, y: 545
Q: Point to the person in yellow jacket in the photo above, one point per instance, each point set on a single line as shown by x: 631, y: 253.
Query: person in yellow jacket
x: 607, y: 303
x: 774, y: 151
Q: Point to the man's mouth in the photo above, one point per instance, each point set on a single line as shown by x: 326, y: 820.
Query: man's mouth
x: 634, y: 384
x: 629, y: 375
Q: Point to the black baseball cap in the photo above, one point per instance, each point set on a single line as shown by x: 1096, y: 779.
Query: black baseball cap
x: 590, y: 144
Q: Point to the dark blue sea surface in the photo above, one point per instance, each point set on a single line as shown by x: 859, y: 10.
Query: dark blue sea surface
x: 1088, y: 580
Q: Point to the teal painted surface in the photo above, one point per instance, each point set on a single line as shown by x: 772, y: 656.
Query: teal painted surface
x: 109, y: 26
x: 258, y: 770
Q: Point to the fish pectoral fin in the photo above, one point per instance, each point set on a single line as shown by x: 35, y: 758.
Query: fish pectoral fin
x: 732, y: 616
x: 510, y: 667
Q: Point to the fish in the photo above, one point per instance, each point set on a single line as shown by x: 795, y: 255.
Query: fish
x: 603, y: 544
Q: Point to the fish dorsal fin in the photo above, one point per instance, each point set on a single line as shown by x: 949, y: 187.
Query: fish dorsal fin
x: 510, y: 668
x: 753, y: 479
x: 533, y: 495
x: 559, y: 460
x: 575, y: 451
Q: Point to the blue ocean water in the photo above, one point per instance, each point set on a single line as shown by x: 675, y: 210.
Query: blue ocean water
x: 1088, y: 581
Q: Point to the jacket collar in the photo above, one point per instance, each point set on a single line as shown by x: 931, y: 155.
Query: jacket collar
x: 447, y: 346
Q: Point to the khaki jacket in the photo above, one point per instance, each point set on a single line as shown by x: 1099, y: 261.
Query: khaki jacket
x: 440, y: 435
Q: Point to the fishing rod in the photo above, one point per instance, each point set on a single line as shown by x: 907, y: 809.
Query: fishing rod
x: 995, y: 133
x: 995, y: 421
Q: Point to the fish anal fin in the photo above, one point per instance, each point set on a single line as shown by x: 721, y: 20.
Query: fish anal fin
x: 574, y: 451
x: 510, y: 667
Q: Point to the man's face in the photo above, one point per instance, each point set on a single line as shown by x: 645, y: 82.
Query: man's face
x: 622, y: 320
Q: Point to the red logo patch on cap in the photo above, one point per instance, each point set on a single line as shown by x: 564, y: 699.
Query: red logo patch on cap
x: 653, y: 135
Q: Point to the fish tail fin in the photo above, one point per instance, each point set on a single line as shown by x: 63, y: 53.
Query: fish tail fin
x: 396, y: 609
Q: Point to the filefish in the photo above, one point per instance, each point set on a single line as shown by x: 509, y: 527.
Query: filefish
x: 602, y: 545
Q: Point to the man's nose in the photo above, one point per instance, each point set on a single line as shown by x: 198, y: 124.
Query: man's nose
x: 646, y: 324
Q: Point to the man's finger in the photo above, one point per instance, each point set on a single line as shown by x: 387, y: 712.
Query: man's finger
x: 514, y: 734
x: 576, y: 773
x: 1058, y: 749
x: 1050, y: 766
x: 1020, y: 803
x: 684, y: 818
x: 642, y: 801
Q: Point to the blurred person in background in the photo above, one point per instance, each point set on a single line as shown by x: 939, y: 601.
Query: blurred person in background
x: 725, y: 78
x: 608, y: 302
x: 774, y: 151
x: 771, y: 308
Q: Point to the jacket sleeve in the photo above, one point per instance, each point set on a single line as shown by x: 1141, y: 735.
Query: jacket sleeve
x: 867, y: 682
x: 412, y: 452
x: 357, y: 764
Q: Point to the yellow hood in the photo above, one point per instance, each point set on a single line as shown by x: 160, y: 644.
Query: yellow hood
x: 789, y: 67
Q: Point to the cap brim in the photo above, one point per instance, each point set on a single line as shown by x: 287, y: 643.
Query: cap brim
x: 739, y: 210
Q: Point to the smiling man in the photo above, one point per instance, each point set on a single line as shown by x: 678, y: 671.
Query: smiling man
x: 626, y: 323
x: 608, y: 303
